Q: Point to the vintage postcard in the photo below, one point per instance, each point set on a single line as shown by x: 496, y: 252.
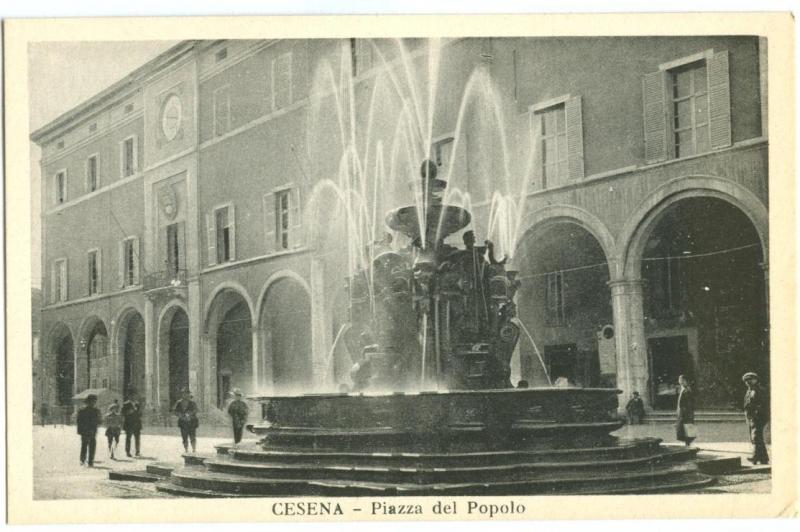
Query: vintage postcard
x: 400, y: 268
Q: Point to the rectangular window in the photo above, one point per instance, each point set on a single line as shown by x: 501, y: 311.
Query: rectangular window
x: 223, y: 231
x: 688, y: 91
x: 361, y: 55
x: 91, y: 174
x: 58, y: 286
x: 282, y: 222
x: 61, y: 187
x: 282, y: 81
x: 173, y: 250
x: 94, y: 272
x: 222, y: 110
x: 129, y: 157
x: 551, y: 130
x: 554, y: 298
x: 130, y: 262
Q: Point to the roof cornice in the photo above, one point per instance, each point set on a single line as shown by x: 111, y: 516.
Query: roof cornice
x: 119, y: 90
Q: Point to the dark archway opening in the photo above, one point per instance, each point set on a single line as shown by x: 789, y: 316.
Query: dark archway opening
x: 705, y: 306
x: 234, y: 351
x: 65, y: 369
x: 97, y: 357
x: 133, y: 354
x: 178, y: 345
x: 287, y: 324
x: 564, y: 304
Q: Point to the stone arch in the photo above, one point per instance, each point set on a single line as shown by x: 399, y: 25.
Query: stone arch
x: 171, y: 352
x: 223, y: 286
x: 640, y: 224
x: 285, y: 357
x: 228, y: 328
x: 61, y: 351
x: 545, y: 217
x: 93, y: 368
x: 565, y: 260
x: 128, y: 345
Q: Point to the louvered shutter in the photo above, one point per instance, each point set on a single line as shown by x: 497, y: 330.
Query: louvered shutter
x: 89, y: 270
x: 121, y: 272
x: 719, y: 96
x: 211, y: 238
x: 53, y: 287
x: 182, y: 246
x: 232, y: 232
x: 269, y: 221
x: 99, y: 255
x: 64, y: 281
x: 655, y: 117
x: 535, y: 143
x: 137, y: 258
x: 296, y: 235
x: 574, y: 121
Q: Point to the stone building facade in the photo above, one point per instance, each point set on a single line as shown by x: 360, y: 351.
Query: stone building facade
x: 199, y: 216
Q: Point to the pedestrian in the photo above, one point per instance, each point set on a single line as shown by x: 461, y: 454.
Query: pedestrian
x: 186, y: 410
x: 635, y: 409
x: 88, y: 419
x: 756, y: 411
x: 44, y: 413
x: 113, y: 427
x: 132, y: 423
x: 684, y: 428
x: 238, y: 411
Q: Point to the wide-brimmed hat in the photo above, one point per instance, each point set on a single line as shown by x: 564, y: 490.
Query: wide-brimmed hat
x: 749, y: 375
x: 236, y: 391
x: 113, y: 408
x: 91, y: 397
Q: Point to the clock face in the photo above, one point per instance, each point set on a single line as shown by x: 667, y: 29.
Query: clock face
x: 171, y: 117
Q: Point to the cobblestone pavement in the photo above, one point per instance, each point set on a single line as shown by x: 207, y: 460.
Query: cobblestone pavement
x: 58, y: 474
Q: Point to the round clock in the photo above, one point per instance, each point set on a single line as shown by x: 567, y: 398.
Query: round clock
x: 171, y: 117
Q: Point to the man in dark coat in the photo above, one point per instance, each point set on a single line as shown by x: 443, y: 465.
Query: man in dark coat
x: 756, y: 411
x: 87, y: 421
x: 238, y: 411
x: 132, y: 423
x: 685, y: 412
x: 186, y: 410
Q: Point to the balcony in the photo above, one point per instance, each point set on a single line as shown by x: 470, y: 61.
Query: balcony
x: 166, y: 280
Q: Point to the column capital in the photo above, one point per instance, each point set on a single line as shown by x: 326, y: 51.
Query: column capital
x: 625, y: 286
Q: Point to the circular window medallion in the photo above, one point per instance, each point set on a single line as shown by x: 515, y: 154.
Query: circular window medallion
x: 171, y: 117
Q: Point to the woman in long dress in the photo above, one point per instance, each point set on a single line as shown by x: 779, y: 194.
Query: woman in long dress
x: 685, y: 412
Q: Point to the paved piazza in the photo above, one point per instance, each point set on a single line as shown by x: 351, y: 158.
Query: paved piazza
x: 58, y: 474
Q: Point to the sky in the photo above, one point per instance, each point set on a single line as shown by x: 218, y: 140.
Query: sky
x: 61, y: 75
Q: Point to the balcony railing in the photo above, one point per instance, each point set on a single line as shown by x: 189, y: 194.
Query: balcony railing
x: 165, y: 279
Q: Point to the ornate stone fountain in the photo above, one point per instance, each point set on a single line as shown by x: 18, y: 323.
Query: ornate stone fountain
x: 432, y: 409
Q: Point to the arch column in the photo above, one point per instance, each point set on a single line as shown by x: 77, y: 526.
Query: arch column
x: 151, y: 395
x: 627, y: 301
x: 196, y: 362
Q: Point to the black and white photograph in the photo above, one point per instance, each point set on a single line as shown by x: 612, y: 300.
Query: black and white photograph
x: 315, y: 268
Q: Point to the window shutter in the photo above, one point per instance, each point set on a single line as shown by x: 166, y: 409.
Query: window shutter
x: 232, y: 230
x: 269, y: 221
x: 53, y: 267
x: 122, y: 158
x: 121, y: 272
x: 574, y: 121
x: 211, y: 238
x: 135, y: 158
x: 137, y: 259
x: 89, y: 272
x: 719, y: 95
x: 64, y: 282
x: 99, y: 255
x: 655, y: 117
x: 182, y: 246
x: 535, y: 132
x: 296, y: 236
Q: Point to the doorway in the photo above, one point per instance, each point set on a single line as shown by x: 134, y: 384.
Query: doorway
x: 669, y: 358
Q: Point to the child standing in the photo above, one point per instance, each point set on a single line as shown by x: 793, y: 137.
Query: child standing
x: 113, y: 428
